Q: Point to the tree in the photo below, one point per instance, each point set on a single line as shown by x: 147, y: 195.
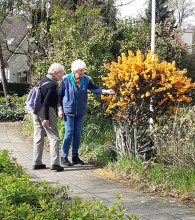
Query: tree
x: 3, y: 77
x: 107, y: 8
x: 9, y: 11
x: 136, y: 79
x: 183, y: 9
x: 83, y: 35
x: 6, y: 9
x: 135, y: 35
x: 39, y: 36
x: 169, y: 45
x: 162, y: 11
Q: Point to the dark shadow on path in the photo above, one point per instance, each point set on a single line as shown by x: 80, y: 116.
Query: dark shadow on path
x: 80, y: 167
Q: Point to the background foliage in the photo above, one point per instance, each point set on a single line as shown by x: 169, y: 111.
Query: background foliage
x: 175, y: 138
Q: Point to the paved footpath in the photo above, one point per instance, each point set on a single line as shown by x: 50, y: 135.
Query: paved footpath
x: 86, y: 183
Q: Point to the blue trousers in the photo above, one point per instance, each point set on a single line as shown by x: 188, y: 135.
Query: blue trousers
x: 73, y: 128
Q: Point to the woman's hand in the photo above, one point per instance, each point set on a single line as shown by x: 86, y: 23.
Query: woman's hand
x: 108, y: 91
x: 60, y: 112
x: 45, y: 123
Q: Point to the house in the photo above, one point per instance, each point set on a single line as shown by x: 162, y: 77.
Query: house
x: 188, y: 37
x: 14, y: 35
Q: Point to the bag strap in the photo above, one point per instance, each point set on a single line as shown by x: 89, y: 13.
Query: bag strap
x: 44, y: 83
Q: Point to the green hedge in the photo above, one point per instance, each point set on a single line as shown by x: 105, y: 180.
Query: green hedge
x: 16, y: 88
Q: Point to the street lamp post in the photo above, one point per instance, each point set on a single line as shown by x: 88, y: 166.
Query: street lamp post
x: 152, y: 50
x: 47, y: 6
x: 153, y: 26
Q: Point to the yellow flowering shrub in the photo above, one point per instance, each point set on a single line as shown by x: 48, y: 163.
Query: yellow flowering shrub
x: 137, y: 79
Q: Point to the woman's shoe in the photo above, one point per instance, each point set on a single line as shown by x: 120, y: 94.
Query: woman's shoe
x: 65, y: 162
x: 77, y: 161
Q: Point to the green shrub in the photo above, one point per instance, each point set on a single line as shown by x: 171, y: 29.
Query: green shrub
x: 97, y: 129
x: 97, y: 154
x: 22, y: 199
x: 11, y: 113
x: 8, y: 165
x: 95, y: 210
x: 2, y: 100
x: 15, y: 111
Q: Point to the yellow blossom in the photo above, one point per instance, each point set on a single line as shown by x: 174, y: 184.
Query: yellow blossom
x: 132, y: 96
x: 134, y: 75
x: 147, y: 94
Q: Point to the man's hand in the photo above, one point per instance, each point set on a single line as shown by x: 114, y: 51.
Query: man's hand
x: 60, y: 112
x: 45, y: 123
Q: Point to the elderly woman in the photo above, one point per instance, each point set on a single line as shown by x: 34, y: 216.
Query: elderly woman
x: 45, y: 121
x: 73, y: 105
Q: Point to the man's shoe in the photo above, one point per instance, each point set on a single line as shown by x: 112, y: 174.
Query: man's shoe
x: 65, y: 162
x: 77, y: 161
x: 58, y: 168
x: 38, y: 167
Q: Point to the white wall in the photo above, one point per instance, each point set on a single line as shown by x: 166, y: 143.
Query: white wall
x: 188, y: 37
x: 18, y: 64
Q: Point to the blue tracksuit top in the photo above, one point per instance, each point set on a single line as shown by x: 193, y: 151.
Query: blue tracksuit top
x: 73, y: 98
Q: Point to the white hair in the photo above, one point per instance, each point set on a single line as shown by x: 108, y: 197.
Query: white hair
x: 55, y: 67
x: 77, y: 64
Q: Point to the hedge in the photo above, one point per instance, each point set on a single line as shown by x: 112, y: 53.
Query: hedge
x: 16, y: 88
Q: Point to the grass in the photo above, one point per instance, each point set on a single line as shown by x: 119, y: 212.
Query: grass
x: 174, y: 138
x: 154, y: 177
x: 97, y: 140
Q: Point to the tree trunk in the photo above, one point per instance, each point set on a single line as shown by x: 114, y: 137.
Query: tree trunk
x: 124, y: 139
x: 3, y: 77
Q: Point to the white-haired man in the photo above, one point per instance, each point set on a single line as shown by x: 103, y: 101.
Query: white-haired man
x: 45, y: 121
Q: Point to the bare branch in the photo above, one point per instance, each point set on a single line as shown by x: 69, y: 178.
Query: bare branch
x: 124, y: 4
x: 23, y: 52
x: 183, y: 10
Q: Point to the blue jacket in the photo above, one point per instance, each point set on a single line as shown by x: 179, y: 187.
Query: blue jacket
x: 73, y: 98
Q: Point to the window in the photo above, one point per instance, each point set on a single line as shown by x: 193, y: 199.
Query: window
x: 22, y: 77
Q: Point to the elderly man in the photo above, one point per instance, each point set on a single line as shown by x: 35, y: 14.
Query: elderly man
x: 45, y: 121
